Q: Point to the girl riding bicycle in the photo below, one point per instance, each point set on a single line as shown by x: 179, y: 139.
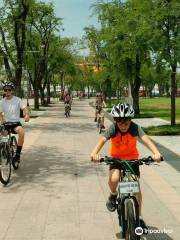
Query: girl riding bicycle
x: 123, y: 134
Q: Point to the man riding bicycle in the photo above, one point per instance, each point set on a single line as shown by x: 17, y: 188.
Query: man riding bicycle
x: 10, y: 107
x: 123, y: 134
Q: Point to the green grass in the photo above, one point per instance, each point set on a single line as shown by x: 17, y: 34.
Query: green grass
x: 163, y: 130
x: 159, y: 107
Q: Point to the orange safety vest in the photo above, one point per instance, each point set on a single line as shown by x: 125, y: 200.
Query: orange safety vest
x: 123, y: 146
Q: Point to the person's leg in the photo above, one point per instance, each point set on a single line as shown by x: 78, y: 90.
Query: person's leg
x: 96, y: 113
x: 20, y: 131
x: 102, y: 120
x: 114, y: 176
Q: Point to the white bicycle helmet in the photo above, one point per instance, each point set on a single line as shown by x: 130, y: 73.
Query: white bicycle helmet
x: 122, y: 110
x: 9, y: 84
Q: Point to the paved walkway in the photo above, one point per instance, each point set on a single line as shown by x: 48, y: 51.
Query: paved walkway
x: 58, y: 194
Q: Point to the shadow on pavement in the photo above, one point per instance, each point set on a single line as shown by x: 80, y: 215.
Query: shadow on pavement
x: 64, y: 127
x: 46, y: 168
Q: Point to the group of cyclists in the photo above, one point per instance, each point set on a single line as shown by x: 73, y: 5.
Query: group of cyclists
x: 123, y: 134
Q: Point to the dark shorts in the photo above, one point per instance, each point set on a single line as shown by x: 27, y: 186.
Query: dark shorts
x: 10, y: 126
x: 135, y: 167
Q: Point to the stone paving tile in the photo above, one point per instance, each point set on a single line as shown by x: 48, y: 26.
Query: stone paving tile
x: 22, y: 231
x: 96, y: 231
x: 171, y: 142
x: 58, y: 231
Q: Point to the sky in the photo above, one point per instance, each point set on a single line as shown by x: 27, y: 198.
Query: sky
x: 76, y: 15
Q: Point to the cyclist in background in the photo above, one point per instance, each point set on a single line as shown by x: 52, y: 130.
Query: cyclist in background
x: 99, y: 104
x: 10, y: 107
x: 67, y: 98
x: 67, y: 102
x: 123, y: 134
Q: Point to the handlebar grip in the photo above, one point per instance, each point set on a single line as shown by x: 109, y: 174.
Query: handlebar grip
x: 101, y: 160
x: 162, y: 159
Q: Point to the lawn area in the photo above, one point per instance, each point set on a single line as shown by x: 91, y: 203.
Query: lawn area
x: 159, y: 107
x: 163, y: 130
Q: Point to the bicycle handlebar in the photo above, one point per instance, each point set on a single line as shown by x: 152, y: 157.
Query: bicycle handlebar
x: 146, y: 160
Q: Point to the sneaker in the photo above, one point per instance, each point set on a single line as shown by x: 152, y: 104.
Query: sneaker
x: 111, y: 203
x: 143, y: 226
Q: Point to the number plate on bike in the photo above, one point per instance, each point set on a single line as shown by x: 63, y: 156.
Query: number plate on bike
x: 129, y: 187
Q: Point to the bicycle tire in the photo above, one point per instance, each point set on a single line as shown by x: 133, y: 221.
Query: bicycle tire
x: 4, y: 162
x: 121, y: 217
x: 131, y: 222
x: 13, y: 148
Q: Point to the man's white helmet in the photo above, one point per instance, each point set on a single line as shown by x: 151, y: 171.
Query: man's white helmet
x: 122, y: 110
x: 8, y: 84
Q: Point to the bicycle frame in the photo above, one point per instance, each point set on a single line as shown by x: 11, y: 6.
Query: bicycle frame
x: 127, y: 194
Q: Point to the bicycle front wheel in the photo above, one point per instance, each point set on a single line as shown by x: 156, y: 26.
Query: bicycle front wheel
x: 131, y: 221
x: 13, y: 148
x: 5, y: 165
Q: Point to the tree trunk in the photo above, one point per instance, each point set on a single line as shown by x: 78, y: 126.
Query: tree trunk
x: 36, y: 100
x: 36, y: 95
x: 43, y: 101
x: 48, y: 92
x: 88, y: 92
x: 18, y: 76
x: 20, y: 39
x: 62, y: 85
x: 173, y: 95
x: 136, y: 85
x: 8, y: 69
